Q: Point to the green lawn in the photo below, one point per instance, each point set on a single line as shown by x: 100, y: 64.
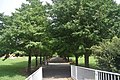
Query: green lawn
x: 13, y: 69
x: 92, y: 61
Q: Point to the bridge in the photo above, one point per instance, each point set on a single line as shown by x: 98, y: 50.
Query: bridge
x: 65, y: 71
x: 57, y: 72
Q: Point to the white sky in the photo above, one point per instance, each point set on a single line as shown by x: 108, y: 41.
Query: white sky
x: 8, y: 6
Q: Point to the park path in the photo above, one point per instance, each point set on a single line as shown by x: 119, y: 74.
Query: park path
x: 56, y: 72
x: 57, y: 79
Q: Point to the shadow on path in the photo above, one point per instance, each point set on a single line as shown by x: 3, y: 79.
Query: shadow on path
x: 56, y: 71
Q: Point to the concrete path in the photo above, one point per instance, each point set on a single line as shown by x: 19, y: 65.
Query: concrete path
x: 56, y: 72
x: 57, y: 79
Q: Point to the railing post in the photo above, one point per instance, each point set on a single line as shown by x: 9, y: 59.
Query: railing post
x: 71, y: 70
x: 96, y: 75
x: 76, y: 72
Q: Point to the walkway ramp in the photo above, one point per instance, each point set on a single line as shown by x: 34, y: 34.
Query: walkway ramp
x: 56, y: 71
x: 62, y: 72
x: 57, y: 79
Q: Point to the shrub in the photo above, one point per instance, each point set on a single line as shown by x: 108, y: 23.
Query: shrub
x: 108, y: 54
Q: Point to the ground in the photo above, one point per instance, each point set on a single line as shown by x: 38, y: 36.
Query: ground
x: 92, y: 61
x: 13, y: 69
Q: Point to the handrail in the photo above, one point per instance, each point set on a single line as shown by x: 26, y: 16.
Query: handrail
x: 81, y: 73
x: 37, y: 75
x: 108, y: 72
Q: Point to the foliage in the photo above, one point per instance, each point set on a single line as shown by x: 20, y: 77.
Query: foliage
x: 26, y: 27
x: 68, y: 27
x: 108, y: 54
x: 77, y: 23
x: 1, y: 19
x: 25, y: 30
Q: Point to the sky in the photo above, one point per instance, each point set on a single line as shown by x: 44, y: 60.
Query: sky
x: 8, y: 6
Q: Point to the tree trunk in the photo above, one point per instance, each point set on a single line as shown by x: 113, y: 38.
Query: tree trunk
x: 76, y: 59
x: 44, y: 60
x: 40, y: 59
x: 29, y: 62
x: 68, y: 59
x: 65, y: 58
x: 36, y: 56
x: 47, y: 60
x: 86, y: 57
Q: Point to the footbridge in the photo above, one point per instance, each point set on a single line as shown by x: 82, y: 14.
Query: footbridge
x: 65, y: 71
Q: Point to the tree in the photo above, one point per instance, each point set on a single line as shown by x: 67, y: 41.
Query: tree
x: 113, y: 20
x: 82, y: 22
x: 32, y: 25
x: 62, y: 13
x: 25, y: 29
x: 108, y: 54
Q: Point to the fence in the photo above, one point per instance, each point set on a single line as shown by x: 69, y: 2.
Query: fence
x: 37, y: 75
x: 104, y: 75
x: 81, y: 73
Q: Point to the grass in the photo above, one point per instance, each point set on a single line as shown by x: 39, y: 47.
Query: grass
x: 92, y: 61
x: 13, y: 69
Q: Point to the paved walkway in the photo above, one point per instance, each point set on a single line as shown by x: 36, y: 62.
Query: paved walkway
x: 56, y: 72
x: 57, y: 79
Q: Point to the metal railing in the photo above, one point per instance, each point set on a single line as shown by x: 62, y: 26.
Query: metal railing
x: 81, y: 73
x: 104, y: 75
x: 37, y: 75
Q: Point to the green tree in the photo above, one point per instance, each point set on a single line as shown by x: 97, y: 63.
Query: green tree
x: 32, y: 28
x: 82, y: 22
x: 108, y: 54
x: 26, y: 29
x: 62, y: 13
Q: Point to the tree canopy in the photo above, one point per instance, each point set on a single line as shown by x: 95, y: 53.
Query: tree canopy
x: 77, y: 23
x: 66, y: 27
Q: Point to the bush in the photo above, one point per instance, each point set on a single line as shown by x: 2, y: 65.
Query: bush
x: 108, y: 54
